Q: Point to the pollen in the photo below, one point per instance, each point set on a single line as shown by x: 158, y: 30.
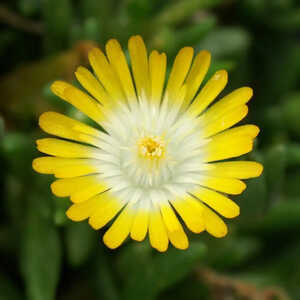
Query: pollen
x: 152, y: 147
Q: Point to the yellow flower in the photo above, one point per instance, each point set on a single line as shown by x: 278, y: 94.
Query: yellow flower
x: 158, y: 153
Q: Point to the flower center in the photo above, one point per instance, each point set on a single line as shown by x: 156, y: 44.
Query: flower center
x: 151, y: 147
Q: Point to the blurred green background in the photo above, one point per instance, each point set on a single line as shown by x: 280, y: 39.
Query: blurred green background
x: 44, y: 256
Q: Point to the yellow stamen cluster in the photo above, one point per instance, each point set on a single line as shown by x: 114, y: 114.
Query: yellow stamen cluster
x: 152, y: 147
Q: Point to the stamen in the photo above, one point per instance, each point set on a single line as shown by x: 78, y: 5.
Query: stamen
x: 151, y: 147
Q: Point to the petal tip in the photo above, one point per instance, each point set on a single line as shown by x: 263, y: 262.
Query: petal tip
x: 79, y: 70
x: 35, y: 164
x: 235, y: 213
x: 112, y: 43
x: 44, y: 118
x: 221, y: 74
x: 93, y: 53
x: 256, y: 131
x: 136, y: 42
x: 110, y: 243
x: 39, y: 143
x: 205, y: 53
x: 137, y: 238
x: 188, y: 49
x: 161, y: 249
x: 260, y: 169
x: 221, y: 234
x: 57, y: 189
x: 249, y: 91
x: 70, y: 214
x: 58, y: 87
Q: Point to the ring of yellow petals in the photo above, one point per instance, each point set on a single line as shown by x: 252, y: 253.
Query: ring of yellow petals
x: 76, y: 166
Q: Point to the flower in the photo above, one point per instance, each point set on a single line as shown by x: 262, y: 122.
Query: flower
x: 157, y: 155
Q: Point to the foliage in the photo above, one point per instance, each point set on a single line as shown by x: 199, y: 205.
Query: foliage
x: 44, y: 256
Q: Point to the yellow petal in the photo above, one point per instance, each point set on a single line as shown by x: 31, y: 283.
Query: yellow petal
x: 65, y: 127
x: 179, y: 72
x: 140, y: 224
x: 208, y: 93
x: 66, y: 149
x: 213, y: 223
x: 118, y: 61
x: 231, y: 143
x: 139, y: 64
x: 157, y: 232
x: 78, y: 99
x: 218, y: 202
x: 226, y: 185
x: 88, y: 192
x: 178, y: 238
x: 169, y: 216
x: 236, y: 169
x: 245, y: 130
x: 119, y: 230
x: 64, y: 121
x: 58, y: 88
x: 236, y: 98
x: 196, y: 75
x: 65, y: 167
x: 92, y: 85
x: 106, y: 74
x: 107, y: 208
x: 79, y: 188
x: 190, y: 211
x: 81, y: 211
x: 228, y: 149
x: 174, y: 229
x: 157, y: 69
x: 225, y: 121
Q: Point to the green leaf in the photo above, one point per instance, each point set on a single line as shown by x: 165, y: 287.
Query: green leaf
x: 18, y: 152
x: 281, y: 219
x: 103, y: 25
x: 290, y: 107
x: 61, y: 206
x: 14, y: 201
x: 177, y: 264
x: 253, y: 201
x: 40, y: 257
x: 274, y: 170
x: 161, y: 272
x: 192, y: 34
x: 140, y: 9
x: 2, y: 129
x: 293, y: 154
x: 291, y: 187
x: 8, y: 37
x: 219, y: 64
x: 283, y: 216
x: 234, y: 41
x: 58, y: 21
x: 232, y: 252
x: 91, y: 29
x: 178, y: 11
x: 103, y: 277
x: 80, y: 242
x: 286, y: 269
x: 9, y: 242
x: 29, y: 7
x: 142, y: 254
x: 289, y: 21
x: 8, y: 289
x: 171, y: 40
